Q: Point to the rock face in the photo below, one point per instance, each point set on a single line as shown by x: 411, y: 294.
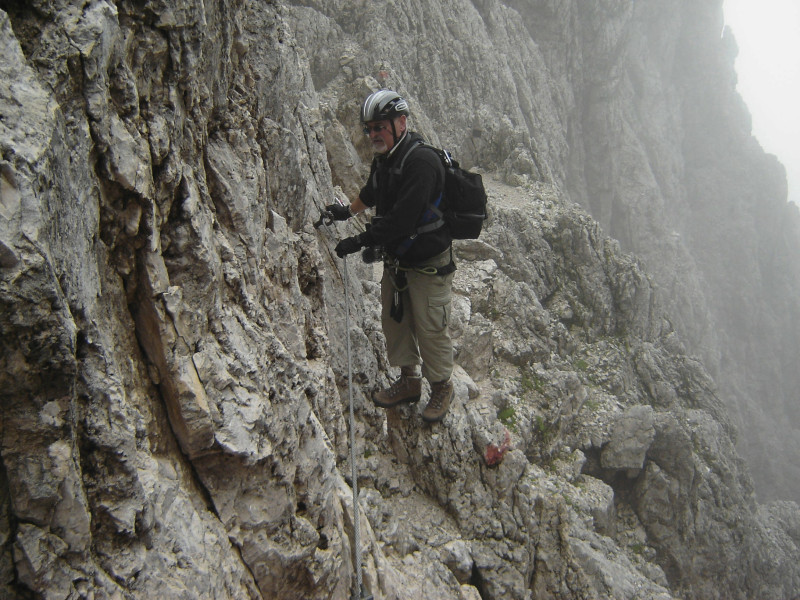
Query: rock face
x: 174, y: 366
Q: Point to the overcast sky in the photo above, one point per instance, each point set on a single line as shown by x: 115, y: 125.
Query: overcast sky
x: 768, y: 68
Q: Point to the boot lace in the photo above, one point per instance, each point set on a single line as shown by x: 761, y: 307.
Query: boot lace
x: 437, y: 398
x: 398, y: 385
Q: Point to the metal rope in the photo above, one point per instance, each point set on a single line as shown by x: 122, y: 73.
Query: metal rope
x: 359, y: 591
x: 326, y: 218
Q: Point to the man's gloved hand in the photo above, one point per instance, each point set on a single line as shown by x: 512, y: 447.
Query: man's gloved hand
x: 339, y: 212
x: 348, y: 246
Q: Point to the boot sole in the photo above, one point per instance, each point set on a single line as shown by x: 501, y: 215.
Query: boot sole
x: 438, y: 419
x: 409, y: 400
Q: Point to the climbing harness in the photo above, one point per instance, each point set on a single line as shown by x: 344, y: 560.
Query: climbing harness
x: 358, y: 593
x: 398, y: 275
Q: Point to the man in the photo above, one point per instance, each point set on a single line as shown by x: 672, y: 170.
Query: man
x: 405, y: 181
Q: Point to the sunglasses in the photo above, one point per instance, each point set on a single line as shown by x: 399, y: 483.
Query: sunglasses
x: 376, y: 128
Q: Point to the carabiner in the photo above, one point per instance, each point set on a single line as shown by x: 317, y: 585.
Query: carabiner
x: 325, y: 218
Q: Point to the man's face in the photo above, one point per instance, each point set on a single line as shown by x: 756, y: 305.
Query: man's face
x: 380, y: 133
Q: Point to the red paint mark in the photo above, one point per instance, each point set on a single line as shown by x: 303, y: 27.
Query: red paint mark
x: 495, y: 454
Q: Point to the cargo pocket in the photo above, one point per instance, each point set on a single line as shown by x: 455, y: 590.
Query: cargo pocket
x: 439, y: 309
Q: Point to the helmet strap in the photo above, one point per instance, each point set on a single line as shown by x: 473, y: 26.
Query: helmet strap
x: 395, y: 137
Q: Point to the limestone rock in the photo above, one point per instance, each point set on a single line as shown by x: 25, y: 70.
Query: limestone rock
x: 631, y: 437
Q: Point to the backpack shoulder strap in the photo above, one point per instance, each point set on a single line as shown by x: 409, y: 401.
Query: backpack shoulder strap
x: 433, y: 218
x: 398, y: 170
x: 417, y: 144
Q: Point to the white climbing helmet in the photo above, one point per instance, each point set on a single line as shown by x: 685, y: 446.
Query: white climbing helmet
x: 383, y: 104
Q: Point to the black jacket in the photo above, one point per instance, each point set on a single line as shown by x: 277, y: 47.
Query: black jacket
x: 402, y: 200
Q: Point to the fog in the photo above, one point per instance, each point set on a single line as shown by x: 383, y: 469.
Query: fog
x: 768, y: 69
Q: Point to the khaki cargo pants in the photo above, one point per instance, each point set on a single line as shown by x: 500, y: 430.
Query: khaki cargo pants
x: 422, y: 336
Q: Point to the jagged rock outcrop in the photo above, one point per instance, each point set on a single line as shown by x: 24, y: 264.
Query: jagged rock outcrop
x: 173, y: 366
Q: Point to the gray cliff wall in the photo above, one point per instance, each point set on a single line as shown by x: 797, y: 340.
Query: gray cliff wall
x: 173, y: 367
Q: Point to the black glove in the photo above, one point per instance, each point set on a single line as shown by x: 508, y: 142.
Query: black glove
x: 339, y: 212
x: 348, y: 246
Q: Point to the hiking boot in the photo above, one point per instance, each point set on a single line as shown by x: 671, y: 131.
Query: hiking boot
x: 407, y: 388
x: 441, y: 396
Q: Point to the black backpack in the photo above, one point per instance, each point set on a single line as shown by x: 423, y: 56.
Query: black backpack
x: 464, y: 198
